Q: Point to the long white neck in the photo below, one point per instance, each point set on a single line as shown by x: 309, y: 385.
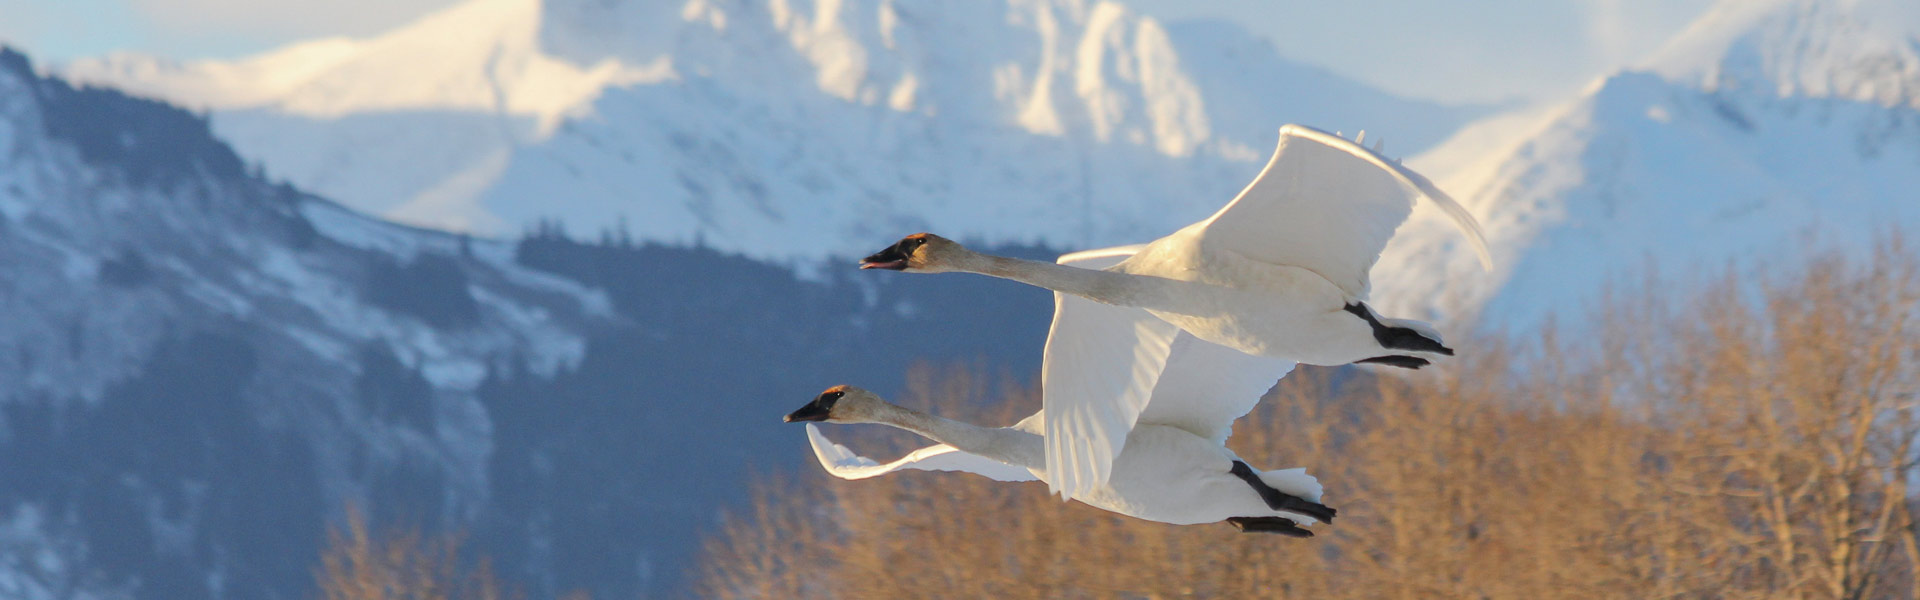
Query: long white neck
x: 1100, y: 286
x: 1009, y: 446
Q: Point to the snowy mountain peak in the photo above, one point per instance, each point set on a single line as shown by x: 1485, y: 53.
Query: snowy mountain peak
x: 1052, y: 67
x: 778, y: 128
x: 1861, y: 50
x: 482, y: 55
x: 1765, y: 129
x: 1097, y: 68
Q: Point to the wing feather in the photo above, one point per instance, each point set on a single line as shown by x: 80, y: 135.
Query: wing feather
x: 1099, y: 370
x: 843, y: 463
x: 1205, y: 387
x: 1329, y: 205
x: 1110, y: 367
x: 1100, y: 367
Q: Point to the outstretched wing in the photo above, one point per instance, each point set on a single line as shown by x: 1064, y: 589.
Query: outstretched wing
x: 843, y: 463
x: 1328, y: 205
x: 1100, y: 368
x: 1206, y: 386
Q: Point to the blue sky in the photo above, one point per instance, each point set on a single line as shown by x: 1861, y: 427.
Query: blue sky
x: 1463, y: 50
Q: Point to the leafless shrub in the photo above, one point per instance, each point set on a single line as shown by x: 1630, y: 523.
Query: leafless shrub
x: 1753, y: 441
x: 400, y: 565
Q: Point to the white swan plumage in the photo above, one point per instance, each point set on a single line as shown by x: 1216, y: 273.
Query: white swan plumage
x: 1282, y: 270
x: 1130, y: 404
x: 1107, y: 367
x: 1167, y: 474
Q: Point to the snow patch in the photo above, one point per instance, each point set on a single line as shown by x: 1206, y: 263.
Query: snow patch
x: 757, y: 127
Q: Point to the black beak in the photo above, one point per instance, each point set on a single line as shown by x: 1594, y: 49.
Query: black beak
x: 893, y: 258
x: 814, y: 411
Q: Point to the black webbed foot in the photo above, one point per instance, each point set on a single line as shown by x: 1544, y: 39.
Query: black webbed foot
x: 1404, y: 362
x: 1397, y: 338
x: 1279, y: 500
x: 1401, y: 338
x: 1280, y: 525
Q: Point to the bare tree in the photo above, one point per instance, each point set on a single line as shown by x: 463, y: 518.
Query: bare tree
x: 1751, y: 440
x: 400, y: 565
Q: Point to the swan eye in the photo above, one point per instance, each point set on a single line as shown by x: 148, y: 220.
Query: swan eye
x: 835, y: 395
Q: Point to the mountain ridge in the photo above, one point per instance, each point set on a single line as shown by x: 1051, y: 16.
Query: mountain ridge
x: 1767, y: 128
x: 744, y: 122
x: 204, y: 367
x: 194, y: 351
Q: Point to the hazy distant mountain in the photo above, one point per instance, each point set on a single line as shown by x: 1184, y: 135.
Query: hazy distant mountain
x: 777, y: 129
x: 1766, y: 129
x: 200, y: 368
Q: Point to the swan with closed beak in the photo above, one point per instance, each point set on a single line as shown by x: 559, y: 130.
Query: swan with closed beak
x: 1167, y: 473
x: 1281, y: 271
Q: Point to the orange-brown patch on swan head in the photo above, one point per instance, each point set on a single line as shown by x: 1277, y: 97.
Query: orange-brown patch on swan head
x: 821, y: 408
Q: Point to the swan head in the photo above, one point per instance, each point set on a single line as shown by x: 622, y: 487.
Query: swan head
x: 840, y: 403
x: 920, y: 252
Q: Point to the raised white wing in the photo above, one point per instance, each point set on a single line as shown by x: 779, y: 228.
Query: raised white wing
x: 1328, y: 205
x: 843, y: 463
x: 1110, y: 367
x: 1100, y: 368
x: 1206, y: 386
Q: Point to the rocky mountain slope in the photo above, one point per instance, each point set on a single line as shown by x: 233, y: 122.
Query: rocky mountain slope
x: 781, y: 130
x: 201, y: 366
x: 1765, y: 131
x: 203, y: 369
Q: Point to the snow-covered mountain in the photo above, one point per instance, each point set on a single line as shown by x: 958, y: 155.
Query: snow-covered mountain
x: 201, y: 368
x: 781, y: 129
x: 1767, y: 129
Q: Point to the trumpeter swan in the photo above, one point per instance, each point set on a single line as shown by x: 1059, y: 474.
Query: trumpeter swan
x: 1280, y: 271
x: 1167, y: 473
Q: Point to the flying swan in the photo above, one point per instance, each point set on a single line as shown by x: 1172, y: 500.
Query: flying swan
x: 1156, y: 434
x: 1167, y: 474
x: 1280, y: 271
